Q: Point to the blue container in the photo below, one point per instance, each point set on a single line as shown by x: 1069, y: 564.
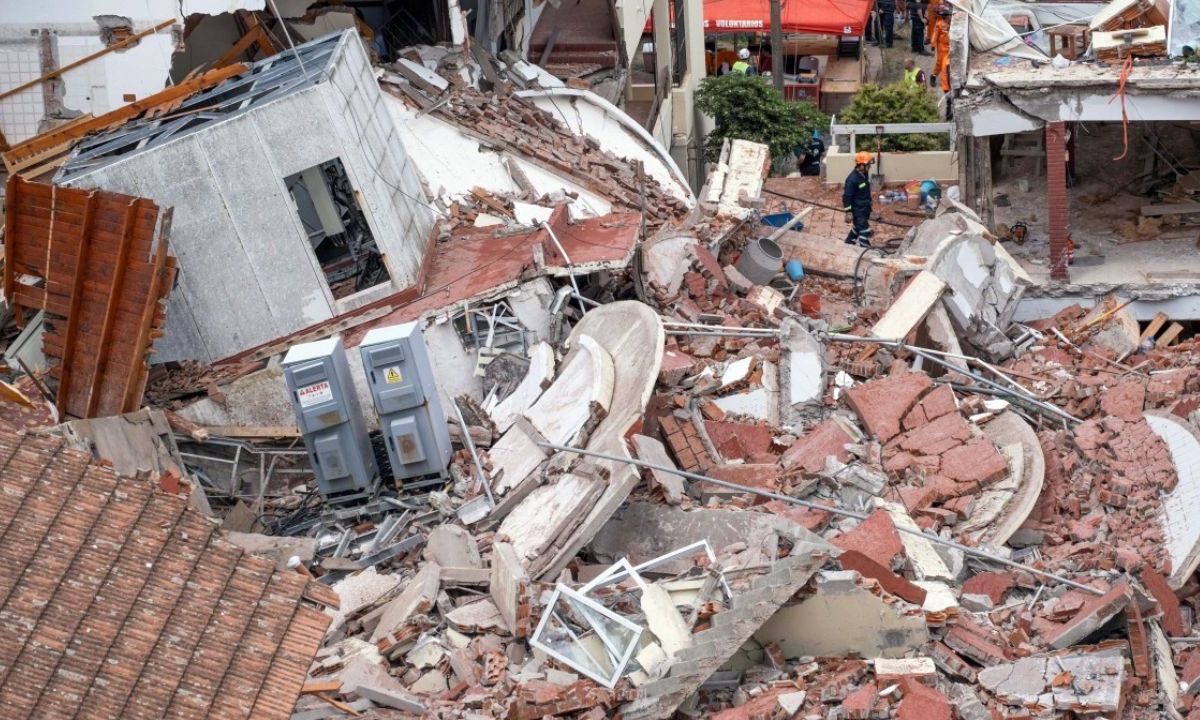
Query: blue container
x: 794, y: 270
x: 778, y: 220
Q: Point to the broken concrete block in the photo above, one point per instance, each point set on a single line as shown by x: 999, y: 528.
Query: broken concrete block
x: 1086, y: 683
x: 1179, y: 519
x: 652, y: 451
x: 417, y: 597
x: 922, y: 558
x: 279, y: 549
x: 915, y: 301
x: 476, y: 617
x: 664, y: 620
x: 827, y: 439
x: 976, y: 603
x: 842, y: 619
x: 509, y: 589
x: 453, y: 546
x: 1094, y: 614
x: 802, y: 367
x: 539, y: 376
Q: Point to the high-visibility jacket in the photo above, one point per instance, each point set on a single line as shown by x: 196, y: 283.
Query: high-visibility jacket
x: 914, y: 77
x: 941, y: 46
x: 741, y: 67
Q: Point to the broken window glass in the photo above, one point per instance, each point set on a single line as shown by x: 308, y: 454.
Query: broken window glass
x: 586, y: 636
x: 337, y: 229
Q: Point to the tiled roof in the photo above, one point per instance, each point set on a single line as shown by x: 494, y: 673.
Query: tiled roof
x: 120, y: 601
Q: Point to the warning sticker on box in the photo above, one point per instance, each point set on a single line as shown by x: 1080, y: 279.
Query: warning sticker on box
x: 314, y: 394
x: 392, y: 375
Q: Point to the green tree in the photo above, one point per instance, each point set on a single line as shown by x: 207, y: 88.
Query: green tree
x: 897, y: 103
x: 748, y: 107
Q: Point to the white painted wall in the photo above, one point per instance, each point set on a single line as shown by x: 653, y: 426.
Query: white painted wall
x: 633, y: 14
x: 247, y: 274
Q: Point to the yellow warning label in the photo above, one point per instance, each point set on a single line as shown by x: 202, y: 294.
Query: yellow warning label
x: 392, y: 375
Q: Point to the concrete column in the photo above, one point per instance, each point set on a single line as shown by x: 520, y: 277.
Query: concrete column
x: 662, y: 43
x: 1056, y: 199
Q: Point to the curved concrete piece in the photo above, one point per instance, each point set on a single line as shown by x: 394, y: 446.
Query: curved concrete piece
x: 1004, y: 507
x: 539, y: 377
x: 565, y: 413
x: 632, y: 333
x: 1180, y: 521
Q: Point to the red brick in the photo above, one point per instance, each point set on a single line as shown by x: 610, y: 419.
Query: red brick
x: 977, y: 462
x: 882, y: 403
x: 859, y: 704
x: 827, y: 439
x: 992, y: 584
x: 938, y: 436
x: 875, y: 537
x: 888, y: 580
x: 742, y: 439
x: 1168, y: 601
x: 812, y: 520
x: 922, y: 702
x: 1124, y: 400
x: 765, y: 477
x: 1095, y: 612
x: 938, y: 402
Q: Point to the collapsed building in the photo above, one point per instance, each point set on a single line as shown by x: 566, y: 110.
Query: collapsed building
x: 432, y: 389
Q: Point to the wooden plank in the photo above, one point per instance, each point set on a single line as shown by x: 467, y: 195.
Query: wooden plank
x: 12, y: 195
x: 244, y: 42
x: 66, y: 360
x: 54, y: 138
x: 116, y: 290
x: 321, y: 686
x: 339, y: 705
x: 163, y: 273
x: 1152, y: 329
x: 88, y: 58
x: 262, y: 432
x: 1170, y: 209
x: 1168, y: 337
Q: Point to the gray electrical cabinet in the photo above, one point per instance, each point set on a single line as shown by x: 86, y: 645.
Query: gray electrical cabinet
x: 400, y: 375
x: 330, y: 419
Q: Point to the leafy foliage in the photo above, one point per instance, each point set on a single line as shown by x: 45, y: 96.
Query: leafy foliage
x: 748, y: 107
x: 898, y: 103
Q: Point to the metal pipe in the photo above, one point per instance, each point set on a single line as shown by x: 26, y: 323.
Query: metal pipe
x: 933, y: 356
x: 695, y: 477
x: 790, y: 223
x: 570, y: 266
x: 466, y: 431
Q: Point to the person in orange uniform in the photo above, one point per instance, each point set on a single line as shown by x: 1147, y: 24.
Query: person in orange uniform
x: 931, y: 19
x: 940, y: 39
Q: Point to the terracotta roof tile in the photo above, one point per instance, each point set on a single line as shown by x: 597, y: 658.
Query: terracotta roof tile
x: 118, y: 601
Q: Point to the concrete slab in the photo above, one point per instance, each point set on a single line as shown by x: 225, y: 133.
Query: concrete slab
x: 1094, y: 682
x: 843, y: 619
x: 632, y: 333
x: 910, y: 307
x: 650, y: 450
x: 567, y: 410
x: 509, y: 588
x: 418, y: 597
x: 664, y: 620
x: 802, y: 369
x: 548, y: 513
x: 541, y: 373
x: 453, y: 546
x: 1179, y: 519
x: 924, y: 560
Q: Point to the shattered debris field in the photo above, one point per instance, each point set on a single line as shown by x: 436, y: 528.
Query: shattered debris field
x: 430, y: 388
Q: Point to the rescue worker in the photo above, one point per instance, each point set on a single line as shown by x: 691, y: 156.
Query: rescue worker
x: 940, y: 40
x: 808, y: 157
x: 887, y: 22
x: 742, y: 66
x: 931, y: 19
x: 856, y: 200
x: 913, y: 75
x: 917, y: 10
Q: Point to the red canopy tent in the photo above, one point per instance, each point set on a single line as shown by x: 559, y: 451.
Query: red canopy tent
x: 816, y: 17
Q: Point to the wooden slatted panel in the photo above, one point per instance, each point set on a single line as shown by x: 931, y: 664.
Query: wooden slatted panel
x: 103, y: 269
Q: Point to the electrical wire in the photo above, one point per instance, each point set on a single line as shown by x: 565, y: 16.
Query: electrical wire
x: 881, y: 221
x: 1126, y: 67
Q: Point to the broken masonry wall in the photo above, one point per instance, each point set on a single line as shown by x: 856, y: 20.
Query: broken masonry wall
x: 248, y: 274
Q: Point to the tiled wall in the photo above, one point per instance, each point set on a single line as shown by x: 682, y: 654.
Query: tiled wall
x: 21, y: 113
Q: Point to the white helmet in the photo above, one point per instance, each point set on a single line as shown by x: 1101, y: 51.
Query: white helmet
x: 743, y: 54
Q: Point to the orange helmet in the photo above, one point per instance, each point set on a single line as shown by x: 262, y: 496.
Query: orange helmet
x: 862, y: 157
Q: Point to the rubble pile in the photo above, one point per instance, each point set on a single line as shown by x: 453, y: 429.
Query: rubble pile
x: 680, y: 476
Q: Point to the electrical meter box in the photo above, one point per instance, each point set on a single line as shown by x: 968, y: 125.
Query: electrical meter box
x: 330, y: 419
x: 400, y: 375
